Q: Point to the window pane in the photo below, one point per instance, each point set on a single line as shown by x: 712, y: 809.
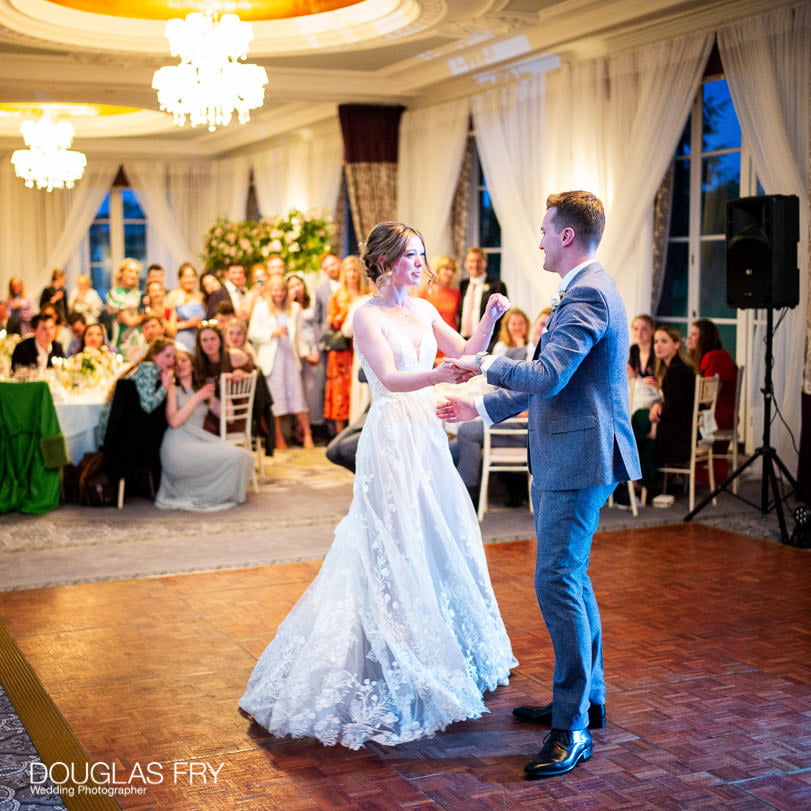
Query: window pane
x: 674, y: 289
x: 729, y: 337
x: 721, y: 129
x: 132, y: 208
x: 494, y: 265
x: 680, y: 211
x: 100, y: 243
x: 100, y: 279
x: 135, y: 241
x: 720, y: 181
x: 713, y: 285
x: 683, y: 147
x: 104, y: 209
x: 489, y: 229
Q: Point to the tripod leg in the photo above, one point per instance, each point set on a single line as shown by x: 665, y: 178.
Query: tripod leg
x: 723, y: 486
x: 770, y: 477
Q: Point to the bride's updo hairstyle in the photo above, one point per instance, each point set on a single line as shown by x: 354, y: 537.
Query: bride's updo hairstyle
x: 386, y: 243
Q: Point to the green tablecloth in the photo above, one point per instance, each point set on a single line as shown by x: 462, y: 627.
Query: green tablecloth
x: 29, y: 439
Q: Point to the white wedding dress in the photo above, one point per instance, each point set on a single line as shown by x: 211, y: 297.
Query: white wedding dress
x: 399, y: 634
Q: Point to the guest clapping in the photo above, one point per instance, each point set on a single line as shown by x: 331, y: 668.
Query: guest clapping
x: 200, y: 470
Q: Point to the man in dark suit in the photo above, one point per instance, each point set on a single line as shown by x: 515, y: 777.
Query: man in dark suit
x: 475, y: 292
x: 40, y: 349
x: 580, y: 446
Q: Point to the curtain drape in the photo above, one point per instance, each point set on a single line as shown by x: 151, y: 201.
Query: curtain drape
x: 303, y: 172
x: 40, y: 230
x: 617, y: 121
x: 370, y: 137
x: 511, y: 134
x: 432, y: 146
x: 767, y: 61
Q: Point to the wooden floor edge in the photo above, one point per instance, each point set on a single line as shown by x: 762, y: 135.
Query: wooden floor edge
x: 49, y: 731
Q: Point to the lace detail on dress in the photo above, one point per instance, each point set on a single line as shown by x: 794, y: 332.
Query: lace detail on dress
x: 400, y: 633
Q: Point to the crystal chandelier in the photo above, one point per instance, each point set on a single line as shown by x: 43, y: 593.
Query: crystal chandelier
x: 210, y: 82
x: 48, y: 161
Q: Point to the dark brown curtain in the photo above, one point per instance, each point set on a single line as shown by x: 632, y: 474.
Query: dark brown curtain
x: 371, y: 135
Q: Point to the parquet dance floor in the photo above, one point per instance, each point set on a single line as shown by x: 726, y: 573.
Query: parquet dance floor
x: 708, y: 664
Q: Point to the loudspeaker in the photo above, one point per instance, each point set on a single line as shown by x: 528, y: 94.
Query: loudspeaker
x: 761, y: 251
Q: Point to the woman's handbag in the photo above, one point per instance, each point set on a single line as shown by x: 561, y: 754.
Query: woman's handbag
x: 336, y: 341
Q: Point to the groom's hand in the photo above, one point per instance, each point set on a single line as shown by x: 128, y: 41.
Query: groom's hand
x: 457, y: 408
x: 466, y: 362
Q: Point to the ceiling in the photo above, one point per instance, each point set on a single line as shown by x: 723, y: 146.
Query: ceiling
x: 318, y: 54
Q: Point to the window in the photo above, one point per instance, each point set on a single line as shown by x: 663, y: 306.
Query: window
x: 709, y: 170
x: 483, y: 227
x: 118, y: 231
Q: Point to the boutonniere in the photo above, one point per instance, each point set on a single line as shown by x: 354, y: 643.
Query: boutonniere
x: 485, y: 288
x: 557, y: 299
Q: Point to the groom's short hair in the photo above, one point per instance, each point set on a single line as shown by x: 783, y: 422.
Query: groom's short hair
x: 581, y: 211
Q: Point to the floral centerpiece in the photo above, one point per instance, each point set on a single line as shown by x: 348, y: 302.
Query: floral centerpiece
x: 7, y: 343
x: 93, y: 367
x: 299, y: 238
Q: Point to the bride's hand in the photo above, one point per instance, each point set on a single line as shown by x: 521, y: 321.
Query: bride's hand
x: 449, y: 372
x: 497, y: 305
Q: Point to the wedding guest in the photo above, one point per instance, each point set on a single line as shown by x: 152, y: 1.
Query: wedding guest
x: 360, y: 396
x: 707, y: 354
x: 664, y: 430
x: 353, y: 283
x: 537, y: 329
x: 514, y: 332
x: 133, y: 424
x: 224, y: 315
x: 310, y: 354
x: 123, y: 303
x: 211, y: 359
x: 440, y: 291
x: 62, y: 334
x: 8, y: 324
x: 330, y: 281
x: 275, y: 330
x: 235, y: 285
x: 55, y: 296
x: 276, y: 266
x: 258, y: 280
x: 154, y: 273
x: 213, y: 294
x: 201, y: 472
x: 236, y: 337
x: 475, y: 291
x: 155, y: 305
x: 187, y: 302
x: 641, y: 358
x: 94, y: 337
x: 77, y: 323
x: 20, y: 307
x: 85, y: 300
x: 38, y: 350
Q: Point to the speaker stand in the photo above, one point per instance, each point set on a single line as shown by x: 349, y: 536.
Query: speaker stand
x: 766, y: 452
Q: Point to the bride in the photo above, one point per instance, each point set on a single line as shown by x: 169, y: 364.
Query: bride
x: 399, y: 634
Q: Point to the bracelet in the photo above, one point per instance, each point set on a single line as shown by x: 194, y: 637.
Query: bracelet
x: 478, y: 360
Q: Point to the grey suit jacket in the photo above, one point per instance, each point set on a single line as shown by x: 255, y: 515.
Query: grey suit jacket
x: 575, y: 389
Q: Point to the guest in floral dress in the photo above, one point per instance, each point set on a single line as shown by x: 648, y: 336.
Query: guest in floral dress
x: 353, y: 283
x: 123, y: 303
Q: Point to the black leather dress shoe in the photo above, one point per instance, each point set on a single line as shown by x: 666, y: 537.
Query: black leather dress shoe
x: 562, y: 750
x: 543, y: 715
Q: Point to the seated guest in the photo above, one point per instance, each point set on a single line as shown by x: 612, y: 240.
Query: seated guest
x: 536, y: 330
x: 224, y: 314
x: 187, y: 302
x: 20, y: 307
x: 55, y: 296
x: 664, y: 430
x: 514, y: 332
x: 38, y: 350
x: 211, y: 359
x: 85, y: 300
x: 236, y: 337
x: 77, y: 323
x: 9, y: 324
x: 213, y: 294
x: 343, y: 447
x: 94, y: 337
x: 132, y: 425
x: 155, y: 305
x: 641, y: 358
x: 200, y: 471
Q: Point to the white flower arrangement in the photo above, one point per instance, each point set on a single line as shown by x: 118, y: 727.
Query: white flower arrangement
x: 557, y: 299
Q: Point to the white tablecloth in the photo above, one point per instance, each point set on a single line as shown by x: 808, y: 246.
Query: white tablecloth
x: 78, y: 416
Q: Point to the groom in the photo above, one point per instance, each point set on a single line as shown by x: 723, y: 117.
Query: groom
x: 580, y: 446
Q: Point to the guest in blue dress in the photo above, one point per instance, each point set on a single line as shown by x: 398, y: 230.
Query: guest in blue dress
x: 188, y: 306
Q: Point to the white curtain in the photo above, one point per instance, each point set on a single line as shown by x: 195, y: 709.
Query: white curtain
x: 511, y: 135
x: 617, y: 120
x: 431, y: 149
x: 40, y: 230
x: 767, y: 60
x: 303, y: 172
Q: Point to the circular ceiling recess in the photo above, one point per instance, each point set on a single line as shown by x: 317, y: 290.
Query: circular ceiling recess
x: 248, y: 10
